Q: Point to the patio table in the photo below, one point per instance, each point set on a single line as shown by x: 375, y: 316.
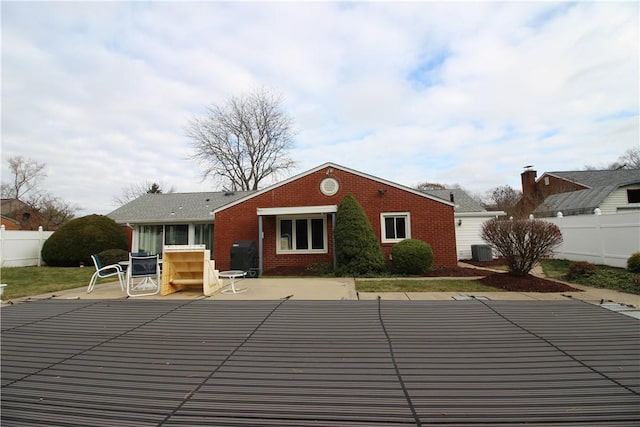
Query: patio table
x: 232, y: 275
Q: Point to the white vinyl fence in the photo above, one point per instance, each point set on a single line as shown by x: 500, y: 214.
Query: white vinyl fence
x: 21, y: 248
x: 599, y: 239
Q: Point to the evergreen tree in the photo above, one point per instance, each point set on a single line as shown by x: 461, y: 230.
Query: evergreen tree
x: 357, y: 249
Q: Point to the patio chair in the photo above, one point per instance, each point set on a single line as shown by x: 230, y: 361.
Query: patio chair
x: 105, y: 271
x: 146, y: 268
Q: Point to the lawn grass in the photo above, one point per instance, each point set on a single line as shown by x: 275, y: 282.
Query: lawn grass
x: 617, y: 279
x: 28, y: 281
x: 421, y: 285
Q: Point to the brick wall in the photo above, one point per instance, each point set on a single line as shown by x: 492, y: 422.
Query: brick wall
x: 431, y: 221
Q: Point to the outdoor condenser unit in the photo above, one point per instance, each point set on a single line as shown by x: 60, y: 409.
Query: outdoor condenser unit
x: 481, y: 253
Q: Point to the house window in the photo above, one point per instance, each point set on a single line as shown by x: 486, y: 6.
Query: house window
x: 395, y: 227
x: 204, y: 236
x: 176, y: 234
x: 633, y: 196
x: 302, y: 234
x: 150, y: 239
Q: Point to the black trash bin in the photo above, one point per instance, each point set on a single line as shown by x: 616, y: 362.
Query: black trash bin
x: 244, y: 256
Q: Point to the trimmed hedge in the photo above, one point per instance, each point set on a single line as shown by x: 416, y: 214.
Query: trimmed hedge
x: 113, y: 256
x: 412, y: 256
x: 77, y: 240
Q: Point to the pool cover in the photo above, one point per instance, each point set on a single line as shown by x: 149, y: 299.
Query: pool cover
x: 326, y: 363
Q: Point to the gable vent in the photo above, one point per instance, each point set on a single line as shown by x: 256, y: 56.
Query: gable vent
x: 329, y: 186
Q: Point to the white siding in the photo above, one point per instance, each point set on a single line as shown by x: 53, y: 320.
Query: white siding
x: 618, y: 199
x: 468, y: 233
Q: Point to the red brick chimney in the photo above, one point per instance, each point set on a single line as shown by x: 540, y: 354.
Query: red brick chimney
x: 529, y: 190
x: 529, y: 182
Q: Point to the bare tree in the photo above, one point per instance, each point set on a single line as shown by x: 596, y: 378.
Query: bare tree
x: 430, y: 186
x: 25, y: 186
x: 243, y: 141
x: 56, y: 211
x: 502, y: 198
x: 630, y: 159
x: 27, y: 175
x: 522, y: 242
x: 134, y: 191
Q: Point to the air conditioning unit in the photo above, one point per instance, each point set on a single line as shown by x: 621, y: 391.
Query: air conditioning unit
x: 481, y: 253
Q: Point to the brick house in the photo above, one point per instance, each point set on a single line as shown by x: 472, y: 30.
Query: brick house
x: 579, y: 192
x: 17, y: 215
x: 295, y: 218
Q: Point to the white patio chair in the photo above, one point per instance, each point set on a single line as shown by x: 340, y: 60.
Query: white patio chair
x: 105, y: 271
x: 147, y: 269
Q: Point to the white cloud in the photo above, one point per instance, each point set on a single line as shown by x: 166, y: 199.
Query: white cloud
x: 464, y: 93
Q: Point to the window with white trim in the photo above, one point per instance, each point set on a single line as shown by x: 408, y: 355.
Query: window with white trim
x: 301, y: 234
x: 396, y: 226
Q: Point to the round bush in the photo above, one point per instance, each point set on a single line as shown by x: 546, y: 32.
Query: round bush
x: 412, y: 256
x: 77, y: 240
x: 633, y: 263
x: 113, y: 256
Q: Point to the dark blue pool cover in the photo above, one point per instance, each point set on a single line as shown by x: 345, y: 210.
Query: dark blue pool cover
x: 326, y: 363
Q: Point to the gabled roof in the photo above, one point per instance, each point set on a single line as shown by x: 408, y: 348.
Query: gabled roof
x: 174, y: 207
x: 463, y: 202
x: 600, y: 183
x: 9, y: 206
x: 343, y: 168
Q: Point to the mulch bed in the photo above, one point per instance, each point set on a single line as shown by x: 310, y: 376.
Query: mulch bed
x: 502, y: 281
x: 529, y: 283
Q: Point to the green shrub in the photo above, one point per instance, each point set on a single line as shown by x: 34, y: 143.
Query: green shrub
x: 633, y: 263
x: 412, y: 256
x: 113, y: 256
x: 76, y: 241
x: 358, y: 251
x: 580, y: 269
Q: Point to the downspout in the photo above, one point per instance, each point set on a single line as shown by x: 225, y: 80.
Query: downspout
x: 333, y: 240
x: 260, y: 238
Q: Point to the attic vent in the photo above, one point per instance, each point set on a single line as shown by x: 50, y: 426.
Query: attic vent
x: 229, y: 193
x: 329, y: 186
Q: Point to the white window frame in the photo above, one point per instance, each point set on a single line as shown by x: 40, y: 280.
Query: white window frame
x: 383, y: 228
x: 280, y: 250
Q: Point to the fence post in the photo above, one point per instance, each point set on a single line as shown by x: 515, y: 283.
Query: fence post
x: 40, y: 244
x: 2, y: 230
x: 597, y: 214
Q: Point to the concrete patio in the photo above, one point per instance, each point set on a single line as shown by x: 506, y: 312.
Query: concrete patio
x: 341, y: 288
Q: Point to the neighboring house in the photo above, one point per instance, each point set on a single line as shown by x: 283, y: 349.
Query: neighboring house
x: 17, y: 213
x: 580, y: 192
x: 155, y: 220
x: 469, y: 216
x: 292, y: 222
x: 9, y: 223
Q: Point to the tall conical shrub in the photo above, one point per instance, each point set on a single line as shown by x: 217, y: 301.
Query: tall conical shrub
x: 357, y: 249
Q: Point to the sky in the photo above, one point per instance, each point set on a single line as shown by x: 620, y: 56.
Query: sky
x: 457, y: 93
